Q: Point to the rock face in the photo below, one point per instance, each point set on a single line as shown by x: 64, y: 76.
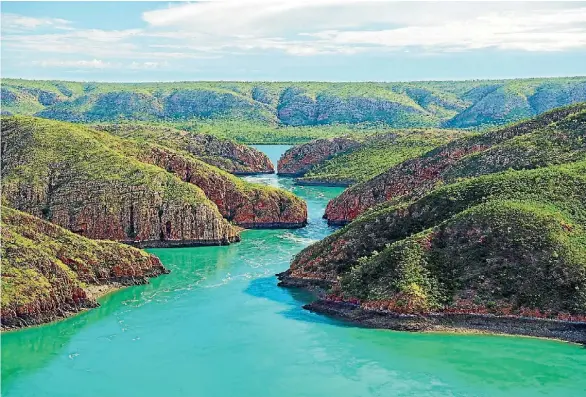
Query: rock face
x: 245, y: 204
x: 225, y: 154
x: 242, y: 159
x: 71, y: 176
x: 45, y: 269
x: 374, y: 155
x: 508, y: 244
x: 518, y: 146
x: 300, y: 159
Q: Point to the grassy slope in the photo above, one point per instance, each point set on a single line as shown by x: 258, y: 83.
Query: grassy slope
x: 263, y: 112
x: 94, y: 157
x: 378, y: 154
x: 45, y: 268
x: 43, y: 158
x: 554, y: 137
x: 508, y: 240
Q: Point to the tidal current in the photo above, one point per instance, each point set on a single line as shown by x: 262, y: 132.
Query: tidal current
x: 218, y: 326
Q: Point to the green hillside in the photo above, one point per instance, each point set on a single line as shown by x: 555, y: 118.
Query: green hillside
x: 555, y: 137
x: 506, y: 243
x: 72, y: 176
x: 46, y: 270
x: 291, y: 111
x: 377, y: 154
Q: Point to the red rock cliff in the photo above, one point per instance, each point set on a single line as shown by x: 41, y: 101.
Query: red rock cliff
x: 417, y: 176
x: 300, y: 159
x: 69, y: 175
x: 247, y: 205
x: 45, y: 269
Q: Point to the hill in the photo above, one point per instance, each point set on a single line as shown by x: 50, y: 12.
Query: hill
x: 554, y: 137
x: 102, y: 186
x: 225, y: 154
x: 49, y: 272
x: 346, y: 161
x: 260, y: 111
x: 507, y: 244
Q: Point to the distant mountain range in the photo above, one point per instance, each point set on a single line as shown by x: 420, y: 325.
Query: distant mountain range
x: 453, y: 104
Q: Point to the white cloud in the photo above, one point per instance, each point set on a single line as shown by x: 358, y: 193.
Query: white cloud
x: 565, y: 29
x: 15, y: 22
x: 304, y: 28
x: 81, y: 64
x: 100, y: 64
x: 148, y: 65
x: 346, y: 26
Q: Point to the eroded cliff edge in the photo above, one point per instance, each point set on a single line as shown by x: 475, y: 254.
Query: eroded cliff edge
x: 300, y: 159
x: 67, y: 175
x: 502, y: 250
x: 225, y: 154
x: 552, y: 138
x: 130, y: 190
x: 48, y: 272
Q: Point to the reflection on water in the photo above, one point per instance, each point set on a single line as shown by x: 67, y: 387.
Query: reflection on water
x: 219, y: 326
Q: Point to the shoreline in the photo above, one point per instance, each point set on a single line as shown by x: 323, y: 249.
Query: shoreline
x: 552, y: 329
x: 303, y: 182
x: 567, y: 331
x: 94, y: 292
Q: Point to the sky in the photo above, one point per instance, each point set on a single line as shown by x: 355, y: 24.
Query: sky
x: 292, y: 40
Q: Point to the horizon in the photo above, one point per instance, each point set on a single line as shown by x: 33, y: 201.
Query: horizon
x: 298, y: 81
x: 316, y: 41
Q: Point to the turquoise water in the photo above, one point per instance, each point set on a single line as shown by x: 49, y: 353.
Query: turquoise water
x: 219, y: 326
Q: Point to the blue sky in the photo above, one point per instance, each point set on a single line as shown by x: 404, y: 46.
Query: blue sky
x: 331, y: 40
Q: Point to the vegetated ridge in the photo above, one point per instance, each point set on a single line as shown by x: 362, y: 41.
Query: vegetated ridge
x: 324, y: 162
x: 289, y: 112
x: 501, y: 250
x: 551, y: 138
x: 50, y: 273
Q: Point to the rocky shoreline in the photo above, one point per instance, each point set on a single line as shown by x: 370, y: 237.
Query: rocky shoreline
x: 568, y: 331
x: 181, y: 243
x: 93, y: 293
x: 304, y: 182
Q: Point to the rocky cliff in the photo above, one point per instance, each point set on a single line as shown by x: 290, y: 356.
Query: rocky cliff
x: 552, y: 138
x: 505, y: 244
x: 300, y: 159
x: 225, y: 154
x: 369, y: 157
x: 49, y: 272
x: 244, y: 204
x: 68, y: 175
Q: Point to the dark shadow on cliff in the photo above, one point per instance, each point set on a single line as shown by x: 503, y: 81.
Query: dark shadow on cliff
x: 294, y: 299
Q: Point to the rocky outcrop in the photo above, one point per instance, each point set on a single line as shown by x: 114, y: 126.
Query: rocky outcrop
x: 504, y: 246
x: 230, y: 156
x: 375, y: 155
x: 461, y: 158
x: 300, y: 159
x: 73, y: 177
x: 48, y: 272
x: 245, y: 204
x: 566, y: 330
x: 227, y: 155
